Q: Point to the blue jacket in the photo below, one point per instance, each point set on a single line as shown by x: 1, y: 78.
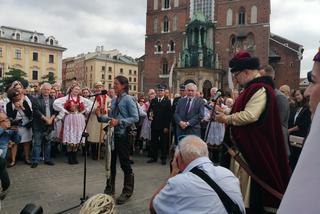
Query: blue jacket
x: 125, y: 111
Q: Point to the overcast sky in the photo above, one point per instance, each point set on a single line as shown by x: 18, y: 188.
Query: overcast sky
x: 81, y: 25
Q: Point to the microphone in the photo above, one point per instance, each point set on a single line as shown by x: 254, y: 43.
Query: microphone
x: 103, y: 92
x: 217, y: 96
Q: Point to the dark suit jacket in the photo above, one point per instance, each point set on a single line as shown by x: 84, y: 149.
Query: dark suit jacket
x: 303, y: 121
x: 39, y: 110
x: 194, y: 116
x: 161, y: 113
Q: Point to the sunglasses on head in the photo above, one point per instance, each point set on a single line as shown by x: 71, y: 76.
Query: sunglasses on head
x: 309, y: 77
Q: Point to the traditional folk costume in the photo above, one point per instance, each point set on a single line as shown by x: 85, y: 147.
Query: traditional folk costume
x: 94, y: 128
x: 73, y: 109
x: 254, y: 128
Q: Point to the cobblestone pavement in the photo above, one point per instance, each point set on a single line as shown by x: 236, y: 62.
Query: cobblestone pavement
x: 58, y: 187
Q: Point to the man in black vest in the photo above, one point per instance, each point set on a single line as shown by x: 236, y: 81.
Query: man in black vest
x: 160, y: 114
x: 43, y: 120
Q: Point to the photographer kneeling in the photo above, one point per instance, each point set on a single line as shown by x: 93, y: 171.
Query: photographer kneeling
x: 190, y: 186
x: 123, y: 115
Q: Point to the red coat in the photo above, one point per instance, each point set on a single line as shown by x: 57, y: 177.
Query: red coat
x: 261, y: 143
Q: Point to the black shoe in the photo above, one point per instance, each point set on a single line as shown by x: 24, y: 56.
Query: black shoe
x: 34, y: 165
x: 163, y: 162
x: 50, y: 163
x: 74, y: 158
x: 151, y: 161
x: 27, y: 162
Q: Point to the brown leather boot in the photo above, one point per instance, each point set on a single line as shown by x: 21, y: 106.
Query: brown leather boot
x: 128, y: 186
x: 110, y: 185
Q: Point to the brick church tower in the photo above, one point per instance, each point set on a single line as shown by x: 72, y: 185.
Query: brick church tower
x: 242, y: 25
x: 166, y: 20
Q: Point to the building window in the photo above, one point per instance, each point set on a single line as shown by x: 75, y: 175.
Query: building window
x: 0, y: 52
x: 121, y: 70
x: 86, y: 68
x: 35, y: 56
x: 130, y: 79
x: 254, y: 14
x: 155, y: 25
x: 90, y: 76
x: 103, y: 68
x: 102, y: 76
x: 35, y: 39
x: 130, y: 72
x: 51, y: 58
x: 110, y: 86
x: 176, y: 3
x: 250, y: 42
x: 155, y: 4
x: 130, y: 87
x: 1, y: 75
x: 110, y: 77
x: 242, y: 16
x: 229, y: 17
x: 34, y: 75
x: 134, y: 88
x: 17, y: 54
x: 18, y: 36
x: 134, y: 79
x: 165, y: 24
x: 135, y: 72
x: 165, y: 67
x: 110, y: 69
x: 175, y: 22
x: 91, y: 68
x: 51, y: 41
x: 171, y: 46
x: 158, y: 47
x: 166, y: 4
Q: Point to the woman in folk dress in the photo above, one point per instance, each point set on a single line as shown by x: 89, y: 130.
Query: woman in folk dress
x: 74, y: 107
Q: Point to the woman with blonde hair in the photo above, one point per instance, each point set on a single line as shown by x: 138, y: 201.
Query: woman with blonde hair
x: 73, y: 106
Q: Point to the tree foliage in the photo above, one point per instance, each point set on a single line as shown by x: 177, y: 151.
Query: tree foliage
x: 12, y: 75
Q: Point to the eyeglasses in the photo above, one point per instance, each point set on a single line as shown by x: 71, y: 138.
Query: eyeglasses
x: 309, y: 77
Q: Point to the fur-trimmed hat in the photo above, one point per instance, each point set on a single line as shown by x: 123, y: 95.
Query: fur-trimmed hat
x: 242, y: 61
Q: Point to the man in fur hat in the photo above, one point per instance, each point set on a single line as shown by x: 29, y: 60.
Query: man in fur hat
x: 254, y: 128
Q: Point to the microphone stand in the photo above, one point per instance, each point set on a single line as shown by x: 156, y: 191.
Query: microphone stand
x: 83, y: 135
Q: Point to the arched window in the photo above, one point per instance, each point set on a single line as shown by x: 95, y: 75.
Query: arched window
x: 35, y: 39
x: 254, y: 14
x: 229, y: 17
x: 158, y: 47
x: 155, y: 25
x: 51, y: 41
x: 171, y: 46
x: 175, y: 21
x: 155, y: 4
x: 165, y: 67
x: 176, y: 3
x: 18, y: 36
x: 242, y: 16
x: 250, y: 41
x: 165, y: 24
x: 166, y: 4
x: 232, y: 42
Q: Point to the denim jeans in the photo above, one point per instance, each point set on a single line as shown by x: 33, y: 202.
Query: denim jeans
x: 38, y: 139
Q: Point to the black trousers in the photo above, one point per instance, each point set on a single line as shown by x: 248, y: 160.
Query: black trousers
x: 4, y: 177
x: 159, y: 140
x: 121, y: 144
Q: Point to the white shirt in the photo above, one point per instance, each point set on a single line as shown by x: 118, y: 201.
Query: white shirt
x: 186, y: 193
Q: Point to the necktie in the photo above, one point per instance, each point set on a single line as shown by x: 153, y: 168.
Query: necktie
x: 47, y: 108
x: 188, y: 106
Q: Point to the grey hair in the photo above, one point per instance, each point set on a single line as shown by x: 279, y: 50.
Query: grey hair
x: 45, y: 85
x: 100, y: 203
x: 213, y: 88
x: 191, y: 148
x: 191, y: 85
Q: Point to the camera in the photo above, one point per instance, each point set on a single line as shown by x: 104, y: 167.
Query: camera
x: 16, y: 122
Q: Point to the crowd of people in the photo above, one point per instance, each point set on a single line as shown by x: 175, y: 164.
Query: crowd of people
x: 191, y: 131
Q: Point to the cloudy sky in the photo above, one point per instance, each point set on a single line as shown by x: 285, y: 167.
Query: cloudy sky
x: 81, y: 25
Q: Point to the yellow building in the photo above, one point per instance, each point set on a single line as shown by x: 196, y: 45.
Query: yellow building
x: 101, y: 66
x: 30, y: 52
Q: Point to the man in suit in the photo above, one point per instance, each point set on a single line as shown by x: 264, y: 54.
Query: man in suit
x: 43, y: 119
x: 173, y: 110
x: 160, y: 114
x: 189, y: 113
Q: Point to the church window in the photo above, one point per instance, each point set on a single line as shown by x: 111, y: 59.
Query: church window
x: 166, y: 4
x: 254, y: 14
x: 242, y: 16
x: 165, y: 67
x: 155, y: 25
x: 176, y: 3
x: 155, y: 4
x: 165, y: 24
x: 229, y: 17
x: 171, y: 46
x: 158, y: 47
x: 175, y: 21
